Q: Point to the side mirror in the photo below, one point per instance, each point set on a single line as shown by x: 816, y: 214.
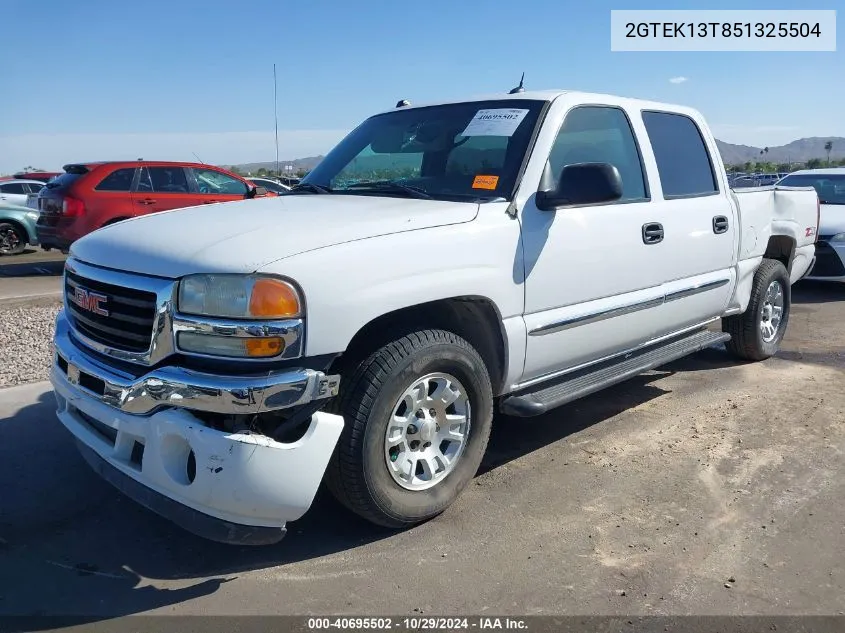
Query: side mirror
x: 582, y: 183
x: 253, y: 192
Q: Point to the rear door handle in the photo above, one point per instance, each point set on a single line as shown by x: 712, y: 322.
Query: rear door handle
x: 720, y: 224
x: 146, y: 201
x: 652, y: 233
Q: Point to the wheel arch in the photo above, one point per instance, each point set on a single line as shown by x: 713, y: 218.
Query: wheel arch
x: 781, y: 248
x: 474, y: 318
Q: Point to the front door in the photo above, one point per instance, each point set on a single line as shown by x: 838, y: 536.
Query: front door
x: 592, y: 278
x: 215, y: 186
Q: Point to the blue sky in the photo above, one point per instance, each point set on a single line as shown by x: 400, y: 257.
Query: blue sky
x: 106, y: 79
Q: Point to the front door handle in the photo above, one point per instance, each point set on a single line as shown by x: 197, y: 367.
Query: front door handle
x: 720, y: 224
x: 652, y: 233
x: 146, y: 201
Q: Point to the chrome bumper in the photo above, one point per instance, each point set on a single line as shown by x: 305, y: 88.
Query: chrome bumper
x: 183, y: 388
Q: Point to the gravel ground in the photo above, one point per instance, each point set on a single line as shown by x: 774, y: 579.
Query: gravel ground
x: 26, y: 335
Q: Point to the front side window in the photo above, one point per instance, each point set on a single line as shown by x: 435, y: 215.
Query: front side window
x: 462, y: 151
x: 118, y: 180
x: 211, y: 181
x: 829, y: 187
x: 163, y: 180
x: 683, y: 162
x: 600, y: 134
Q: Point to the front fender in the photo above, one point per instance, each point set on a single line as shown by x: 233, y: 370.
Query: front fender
x: 348, y: 285
x: 21, y: 218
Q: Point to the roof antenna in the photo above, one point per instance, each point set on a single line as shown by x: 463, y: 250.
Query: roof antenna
x: 200, y: 160
x: 403, y: 103
x: 519, y: 88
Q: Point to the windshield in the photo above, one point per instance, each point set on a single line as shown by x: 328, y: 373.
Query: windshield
x: 463, y: 151
x: 830, y: 187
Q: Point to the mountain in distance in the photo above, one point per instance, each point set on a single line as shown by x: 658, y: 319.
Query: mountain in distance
x: 305, y: 164
x: 799, y: 151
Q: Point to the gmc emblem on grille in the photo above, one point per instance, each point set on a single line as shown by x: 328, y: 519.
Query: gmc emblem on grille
x: 90, y: 301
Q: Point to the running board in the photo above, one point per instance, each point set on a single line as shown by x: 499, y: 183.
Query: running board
x: 591, y: 379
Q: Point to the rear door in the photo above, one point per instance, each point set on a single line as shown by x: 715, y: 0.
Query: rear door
x: 215, y: 186
x: 161, y: 188
x: 699, y: 225
x: 110, y: 199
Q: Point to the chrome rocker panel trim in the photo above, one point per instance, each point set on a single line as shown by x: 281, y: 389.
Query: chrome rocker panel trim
x: 182, y: 388
x: 601, y: 315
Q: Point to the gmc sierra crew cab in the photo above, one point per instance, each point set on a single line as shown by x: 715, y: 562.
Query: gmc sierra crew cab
x: 443, y: 262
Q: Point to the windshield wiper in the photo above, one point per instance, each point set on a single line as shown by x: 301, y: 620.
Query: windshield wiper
x: 389, y: 185
x: 310, y: 187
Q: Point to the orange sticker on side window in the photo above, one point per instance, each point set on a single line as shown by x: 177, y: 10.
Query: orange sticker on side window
x: 485, y: 182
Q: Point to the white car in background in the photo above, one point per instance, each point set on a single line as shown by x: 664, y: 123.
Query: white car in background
x: 830, y: 249
x: 17, y: 191
x: 269, y: 184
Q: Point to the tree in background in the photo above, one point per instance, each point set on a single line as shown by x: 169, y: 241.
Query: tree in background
x: 814, y: 163
x: 827, y: 147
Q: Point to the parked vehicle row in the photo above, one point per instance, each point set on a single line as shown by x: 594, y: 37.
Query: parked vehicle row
x: 515, y: 252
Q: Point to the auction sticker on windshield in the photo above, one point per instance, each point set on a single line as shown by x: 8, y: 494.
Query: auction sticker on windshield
x: 498, y: 122
x: 485, y: 182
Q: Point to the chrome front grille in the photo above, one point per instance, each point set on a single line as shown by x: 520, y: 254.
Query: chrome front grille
x: 122, y: 315
x: 122, y: 318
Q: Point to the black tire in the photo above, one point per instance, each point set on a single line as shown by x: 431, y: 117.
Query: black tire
x: 357, y: 474
x: 13, y: 239
x: 747, y: 340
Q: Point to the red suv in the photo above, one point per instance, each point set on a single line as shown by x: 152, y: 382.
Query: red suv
x: 88, y: 196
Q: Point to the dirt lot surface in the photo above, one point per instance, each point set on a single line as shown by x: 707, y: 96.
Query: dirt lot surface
x: 706, y: 487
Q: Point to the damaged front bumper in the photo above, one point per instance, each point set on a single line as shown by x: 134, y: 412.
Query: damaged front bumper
x: 140, y: 434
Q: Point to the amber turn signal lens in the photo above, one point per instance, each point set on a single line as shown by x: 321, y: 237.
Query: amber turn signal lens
x: 274, y: 299
x: 261, y: 347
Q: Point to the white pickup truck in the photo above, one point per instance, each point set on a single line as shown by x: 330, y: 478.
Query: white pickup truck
x: 443, y: 262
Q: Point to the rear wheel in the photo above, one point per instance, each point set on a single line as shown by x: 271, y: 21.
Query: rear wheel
x: 757, y: 333
x: 418, y: 413
x: 13, y: 240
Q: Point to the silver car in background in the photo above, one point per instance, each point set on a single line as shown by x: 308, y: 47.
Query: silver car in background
x: 830, y: 249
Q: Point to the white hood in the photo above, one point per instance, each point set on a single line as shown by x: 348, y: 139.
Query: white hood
x: 832, y: 219
x: 243, y: 236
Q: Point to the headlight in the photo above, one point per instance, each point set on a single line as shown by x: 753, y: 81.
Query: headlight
x: 32, y: 215
x: 239, y: 297
x: 839, y: 237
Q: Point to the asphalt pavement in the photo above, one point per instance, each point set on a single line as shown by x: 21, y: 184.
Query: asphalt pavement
x: 33, y: 277
x: 707, y: 487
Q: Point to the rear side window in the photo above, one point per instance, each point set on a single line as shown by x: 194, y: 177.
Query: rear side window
x: 118, y: 180
x: 13, y: 187
x: 683, y: 163
x: 63, y: 181
x: 163, y: 180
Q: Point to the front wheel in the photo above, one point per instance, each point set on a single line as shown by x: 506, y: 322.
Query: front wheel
x: 418, y: 413
x: 12, y: 239
x: 757, y: 333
